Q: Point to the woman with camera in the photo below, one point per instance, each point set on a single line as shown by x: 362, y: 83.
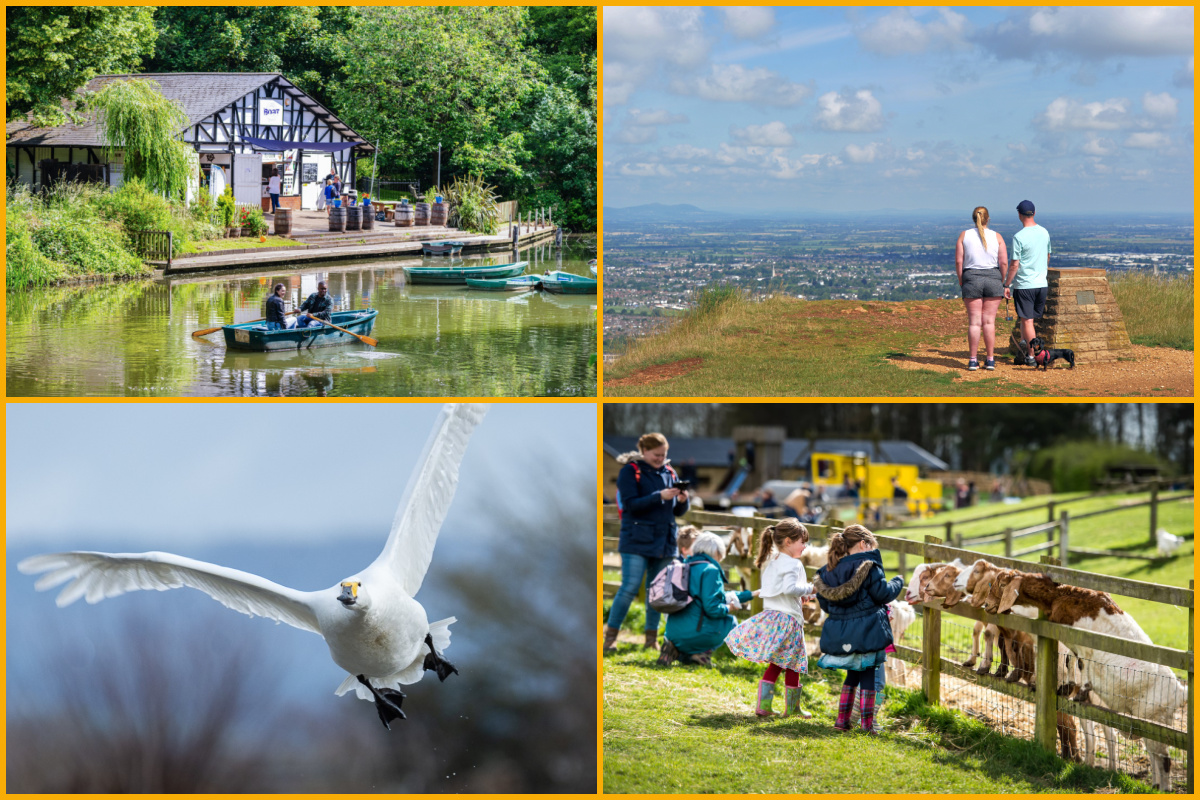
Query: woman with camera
x: 649, y: 501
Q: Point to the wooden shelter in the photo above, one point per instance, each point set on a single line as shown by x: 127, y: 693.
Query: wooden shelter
x: 241, y: 125
x: 1081, y: 315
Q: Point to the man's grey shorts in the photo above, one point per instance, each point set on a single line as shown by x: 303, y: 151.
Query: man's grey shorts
x: 1030, y: 303
x: 979, y: 283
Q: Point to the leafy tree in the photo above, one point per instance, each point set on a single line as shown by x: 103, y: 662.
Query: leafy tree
x: 135, y: 117
x: 565, y: 38
x: 52, y: 51
x: 416, y: 76
x: 293, y: 40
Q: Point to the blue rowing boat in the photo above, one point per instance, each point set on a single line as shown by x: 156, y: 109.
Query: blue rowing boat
x: 255, y: 336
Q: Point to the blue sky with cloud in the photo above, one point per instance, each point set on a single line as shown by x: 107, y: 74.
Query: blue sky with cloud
x: 854, y: 109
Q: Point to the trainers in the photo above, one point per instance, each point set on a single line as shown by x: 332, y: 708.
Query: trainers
x: 991, y: 364
x: 1029, y: 362
x: 973, y: 365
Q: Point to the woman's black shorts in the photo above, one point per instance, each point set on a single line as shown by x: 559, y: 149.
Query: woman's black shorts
x: 979, y: 283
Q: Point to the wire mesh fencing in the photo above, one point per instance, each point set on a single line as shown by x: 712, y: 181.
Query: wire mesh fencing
x: 1124, y: 685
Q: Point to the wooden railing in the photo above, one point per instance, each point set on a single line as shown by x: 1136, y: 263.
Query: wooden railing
x: 1043, y: 694
x: 153, y: 245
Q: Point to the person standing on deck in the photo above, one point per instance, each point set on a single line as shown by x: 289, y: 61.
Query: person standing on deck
x: 1026, y: 282
x: 318, y: 304
x: 273, y: 189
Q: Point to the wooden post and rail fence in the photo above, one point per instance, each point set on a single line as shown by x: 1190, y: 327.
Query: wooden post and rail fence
x: 1044, y: 693
x: 1053, y: 506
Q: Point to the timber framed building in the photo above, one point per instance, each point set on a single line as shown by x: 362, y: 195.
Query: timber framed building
x: 242, y: 127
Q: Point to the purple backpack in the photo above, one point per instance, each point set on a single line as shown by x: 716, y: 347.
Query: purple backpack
x: 669, y: 590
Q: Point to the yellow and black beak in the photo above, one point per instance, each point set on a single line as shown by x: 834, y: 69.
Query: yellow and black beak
x: 349, y: 595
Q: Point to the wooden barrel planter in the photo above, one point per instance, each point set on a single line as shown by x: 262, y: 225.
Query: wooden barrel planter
x: 421, y: 214
x: 354, y: 218
x: 404, y: 216
x: 438, y: 213
x: 283, y: 221
x: 337, y: 219
x: 368, y: 218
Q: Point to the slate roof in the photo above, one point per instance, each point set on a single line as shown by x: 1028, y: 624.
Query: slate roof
x: 201, y: 94
x: 714, y: 451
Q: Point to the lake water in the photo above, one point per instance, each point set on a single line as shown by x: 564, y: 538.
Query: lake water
x: 134, y: 339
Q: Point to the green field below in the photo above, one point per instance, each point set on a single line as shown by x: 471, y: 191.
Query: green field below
x: 733, y: 346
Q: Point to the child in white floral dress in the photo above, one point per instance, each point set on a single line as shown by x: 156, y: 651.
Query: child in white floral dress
x: 776, y: 636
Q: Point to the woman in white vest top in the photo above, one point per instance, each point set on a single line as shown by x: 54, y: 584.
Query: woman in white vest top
x: 980, y: 258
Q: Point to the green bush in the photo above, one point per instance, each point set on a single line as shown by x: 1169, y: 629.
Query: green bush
x: 85, y: 243
x: 226, y: 207
x: 1076, y: 466
x: 24, y: 263
x: 137, y: 208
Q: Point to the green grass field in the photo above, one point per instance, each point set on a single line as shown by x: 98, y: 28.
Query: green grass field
x: 693, y: 730
x: 690, y: 729
x: 732, y: 346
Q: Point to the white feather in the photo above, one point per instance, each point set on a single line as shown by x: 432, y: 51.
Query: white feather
x: 426, y: 500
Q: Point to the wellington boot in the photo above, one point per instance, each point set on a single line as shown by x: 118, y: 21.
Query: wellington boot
x: 610, y: 638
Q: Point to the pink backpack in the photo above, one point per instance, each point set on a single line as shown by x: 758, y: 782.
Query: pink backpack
x: 669, y: 590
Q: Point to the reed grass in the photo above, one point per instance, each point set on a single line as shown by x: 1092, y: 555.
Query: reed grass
x: 1158, y: 309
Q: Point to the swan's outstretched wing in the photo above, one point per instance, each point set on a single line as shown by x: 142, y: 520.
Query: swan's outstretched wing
x: 427, y: 498
x: 95, y: 576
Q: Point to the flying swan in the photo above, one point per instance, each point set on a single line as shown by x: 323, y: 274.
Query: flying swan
x: 375, y: 630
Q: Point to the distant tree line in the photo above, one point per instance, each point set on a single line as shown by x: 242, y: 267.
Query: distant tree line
x: 509, y: 92
x: 968, y: 436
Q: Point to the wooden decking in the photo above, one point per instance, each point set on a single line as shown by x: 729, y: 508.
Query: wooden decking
x: 318, y: 243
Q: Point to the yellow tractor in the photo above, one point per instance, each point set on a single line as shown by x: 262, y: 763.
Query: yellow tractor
x: 874, y: 482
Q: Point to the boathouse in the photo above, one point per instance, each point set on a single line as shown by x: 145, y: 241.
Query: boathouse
x: 241, y: 125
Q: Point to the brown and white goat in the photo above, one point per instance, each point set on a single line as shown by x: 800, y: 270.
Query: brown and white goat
x: 1126, y: 685
x: 980, y: 585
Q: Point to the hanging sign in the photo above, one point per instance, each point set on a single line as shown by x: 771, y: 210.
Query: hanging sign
x: 270, y: 112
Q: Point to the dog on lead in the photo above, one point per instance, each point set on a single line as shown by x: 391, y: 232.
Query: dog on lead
x: 1044, y: 356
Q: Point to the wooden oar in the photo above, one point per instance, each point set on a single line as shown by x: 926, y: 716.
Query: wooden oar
x: 207, y: 331
x: 363, y: 339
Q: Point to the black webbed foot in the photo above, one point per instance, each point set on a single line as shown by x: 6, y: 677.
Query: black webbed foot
x: 387, y: 702
x: 434, y: 662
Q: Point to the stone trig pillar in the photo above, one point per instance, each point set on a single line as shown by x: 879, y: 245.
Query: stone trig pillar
x: 1081, y: 315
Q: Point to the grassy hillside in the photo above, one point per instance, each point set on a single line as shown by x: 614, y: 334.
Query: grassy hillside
x: 730, y: 346
x: 693, y: 730
x: 689, y: 729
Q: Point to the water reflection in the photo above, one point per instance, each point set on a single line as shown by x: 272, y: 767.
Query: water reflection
x: 133, y: 339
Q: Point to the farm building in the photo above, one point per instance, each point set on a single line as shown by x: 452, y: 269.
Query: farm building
x: 769, y: 456
x: 241, y: 125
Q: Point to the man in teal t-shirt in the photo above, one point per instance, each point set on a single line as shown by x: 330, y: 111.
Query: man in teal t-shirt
x: 1030, y: 257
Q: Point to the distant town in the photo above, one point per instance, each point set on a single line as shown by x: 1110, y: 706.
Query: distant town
x: 655, y: 267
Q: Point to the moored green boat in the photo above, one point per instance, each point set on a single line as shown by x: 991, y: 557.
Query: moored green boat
x: 559, y: 282
x: 426, y: 275
x: 521, y: 283
x: 255, y: 336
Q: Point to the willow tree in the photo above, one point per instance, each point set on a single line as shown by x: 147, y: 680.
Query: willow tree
x: 135, y: 117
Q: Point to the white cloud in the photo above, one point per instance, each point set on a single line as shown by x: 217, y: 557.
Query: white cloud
x: 1065, y: 114
x: 734, y: 83
x: 640, y: 42
x: 658, y: 117
x: 1092, y: 32
x: 773, y: 134
x: 1148, y: 141
x: 1160, y: 107
x: 898, y: 32
x: 645, y: 170
x: 747, y: 22
x: 1098, y: 146
x: 860, y: 112
x: 1184, y: 76
x: 862, y: 155
x: 637, y: 135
